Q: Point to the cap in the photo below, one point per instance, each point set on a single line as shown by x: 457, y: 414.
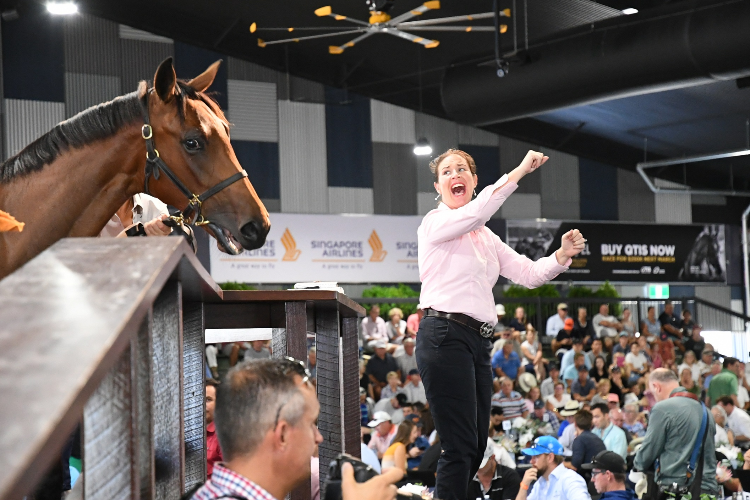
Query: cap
x: 409, y: 340
x: 414, y: 418
x: 630, y: 398
x: 583, y: 368
x: 379, y: 418
x: 544, y: 444
x: 362, y: 391
x: 500, y: 309
x: 569, y: 323
x: 402, y: 399
x: 538, y: 404
x: 613, y: 398
x: 413, y: 371
x: 526, y: 381
x: 380, y: 344
x: 489, y: 450
x: 570, y: 408
x: 607, y: 460
x: 623, y: 334
x: 562, y: 305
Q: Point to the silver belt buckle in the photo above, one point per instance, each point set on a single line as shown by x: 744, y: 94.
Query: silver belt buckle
x: 486, y: 330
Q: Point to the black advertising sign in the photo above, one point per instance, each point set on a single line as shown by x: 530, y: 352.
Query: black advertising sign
x: 629, y: 252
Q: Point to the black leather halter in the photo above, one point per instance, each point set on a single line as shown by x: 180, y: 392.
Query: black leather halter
x: 155, y: 165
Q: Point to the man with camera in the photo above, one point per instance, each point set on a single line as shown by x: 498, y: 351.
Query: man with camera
x: 265, y: 417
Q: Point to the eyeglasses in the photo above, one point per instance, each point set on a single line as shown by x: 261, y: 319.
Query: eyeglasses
x: 290, y: 365
x: 596, y: 472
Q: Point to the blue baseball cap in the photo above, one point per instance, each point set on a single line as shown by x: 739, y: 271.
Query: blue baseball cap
x: 544, y: 444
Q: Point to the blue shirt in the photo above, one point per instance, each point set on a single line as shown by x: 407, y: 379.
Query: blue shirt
x: 567, y: 360
x: 509, y: 365
x: 614, y: 439
x: 563, y: 484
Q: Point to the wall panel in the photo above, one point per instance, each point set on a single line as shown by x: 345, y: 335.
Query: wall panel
x: 237, y: 69
x: 191, y: 61
x: 487, y: 160
x: 672, y: 208
x: 84, y: 90
x: 598, y: 183
x: 719, y: 295
x: 426, y: 202
x: 253, y: 111
x: 521, y: 206
x: 29, y: 120
x: 512, y: 152
x: 350, y: 200
x: 128, y: 33
x: 261, y: 162
x: 348, y: 143
x: 391, y: 123
x: 394, y: 178
x: 560, y: 186
x: 635, y: 201
x: 477, y: 136
x: 302, y: 90
x: 442, y: 135
x: 139, y: 60
x: 92, y: 46
x: 302, y: 157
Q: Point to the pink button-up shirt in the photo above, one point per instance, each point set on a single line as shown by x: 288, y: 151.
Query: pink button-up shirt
x: 460, y: 259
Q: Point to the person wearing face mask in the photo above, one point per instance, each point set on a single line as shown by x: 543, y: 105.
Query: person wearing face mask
x: 460, y: 261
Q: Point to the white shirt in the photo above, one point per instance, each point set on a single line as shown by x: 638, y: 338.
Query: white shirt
x: 397, y: 414
x: 739, y: 422
x: 638, y: 362
x: 145, y: 209
x: 554, y: 324
x: 742, y: 396
x: 532, y: 350
x: 695, y: 370
x: 604, y: 331
x: 721, y: 438
x: 558, y: 404
x: 568, y: 436
x: 415, y: 394
x: 563, y: 484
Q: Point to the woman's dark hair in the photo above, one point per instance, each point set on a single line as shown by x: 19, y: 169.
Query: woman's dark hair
x: 428, y: 424
x: 403, y: 434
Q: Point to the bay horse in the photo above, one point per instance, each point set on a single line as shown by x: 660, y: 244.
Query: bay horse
x: 70, y: 181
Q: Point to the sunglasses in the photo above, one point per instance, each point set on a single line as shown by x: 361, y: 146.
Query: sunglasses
x: 289, y: 365
x: 596, y: 472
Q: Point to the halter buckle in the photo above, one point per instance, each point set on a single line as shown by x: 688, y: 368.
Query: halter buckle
x: 156, y: 152
x: 146, y: 131
x: 200, y: 221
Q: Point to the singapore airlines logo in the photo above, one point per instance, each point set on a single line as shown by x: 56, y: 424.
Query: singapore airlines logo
x: 378, y: 254
x: 290, y: 246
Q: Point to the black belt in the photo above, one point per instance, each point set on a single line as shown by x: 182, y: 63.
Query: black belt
x: 486, y: 330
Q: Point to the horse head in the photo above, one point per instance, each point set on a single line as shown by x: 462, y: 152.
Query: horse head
x: 191, y: 135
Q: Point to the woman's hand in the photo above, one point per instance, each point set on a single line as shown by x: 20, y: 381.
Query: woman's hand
x: 532, y: 161
x: 573, y: 243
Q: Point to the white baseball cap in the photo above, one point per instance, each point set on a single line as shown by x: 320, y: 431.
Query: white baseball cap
x: 488, y: 452
x: 379, y: 418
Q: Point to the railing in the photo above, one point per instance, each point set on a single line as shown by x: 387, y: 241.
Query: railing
x: 109, y: 334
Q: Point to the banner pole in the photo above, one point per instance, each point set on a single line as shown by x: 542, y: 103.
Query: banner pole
x: 745, y: 261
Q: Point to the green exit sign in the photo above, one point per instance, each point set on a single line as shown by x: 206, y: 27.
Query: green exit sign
x: 658, y: 291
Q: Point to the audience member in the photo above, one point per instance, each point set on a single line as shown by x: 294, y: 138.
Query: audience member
x: 650, y: 326
x: 725, y: 383
x: 743, y: 398
x: 686, y: 381
x: 738, y: 421
x: 532, y: 354
x: 405, y: 357
x: 364, y: 379
x: 496, y: 422
x: 568, y: 432
x: 506, y: 362
x: 606, y: 326
x: 613, y: 402
x: 412, y: 322
x: 596, y: 351
x: 507, y: 335
x: 724, y: 436
x: 707, y: 359
x: 586, y: 444
x: 599, y: 371
x: 670, y: 326
x: 583, y: 329
x: 379, y: 366
x: 213, y: 450
x: 556, y: 322
x: 571, y: 373
x: 548, y: 385
x: 695, y: 341
x: 312, y: 362
x: 613, y: 437
x: 385, y: 431
x: 541, y: 414
x: 396, y: 326
x: 568, y: 359
x: 396, y: 454
x: 373, y: 328
x: 392, y: 407
x: 608, y: 472
x: 553, y: 480
x: 493, y: 481
x: 532, y: 396
x: 602, y: 392
x: 686, y: 326
x: 622, y: 346
x: 636, y: 363
x: 501, y: 325
x: 414, y: 388
x: 617, y: 384
x: 583, y: 389
x: 510, y: 401
x: 617, y: 418
x: 689, y: 362
x: 519, y: 321
x: 212, y: 363
x: 393, y: 387
x: 564, y: 339
x: 257, y: 350
x: 715, y: 370
x: 365, y: 407
x: 627, y: 322
x: 559, y: 398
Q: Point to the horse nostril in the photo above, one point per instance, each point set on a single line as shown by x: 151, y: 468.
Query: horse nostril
x: 251, y: 231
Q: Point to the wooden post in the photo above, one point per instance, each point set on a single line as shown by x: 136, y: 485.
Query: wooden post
x: 195, y: 394
x: 144, y: 418
x: 350, y: 379
x: 330, y: 421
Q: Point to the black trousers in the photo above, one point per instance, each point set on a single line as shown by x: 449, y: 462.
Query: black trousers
x: 454, y: 363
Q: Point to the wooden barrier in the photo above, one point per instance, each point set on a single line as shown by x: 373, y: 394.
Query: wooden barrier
x: 100, y: 331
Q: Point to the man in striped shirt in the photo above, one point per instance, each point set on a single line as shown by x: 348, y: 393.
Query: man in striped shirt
x: 510, y: 401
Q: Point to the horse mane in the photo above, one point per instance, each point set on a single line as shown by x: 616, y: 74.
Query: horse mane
x: 93, y: 124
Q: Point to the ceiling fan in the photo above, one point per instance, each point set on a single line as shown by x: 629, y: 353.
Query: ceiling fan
x: 381, y: 22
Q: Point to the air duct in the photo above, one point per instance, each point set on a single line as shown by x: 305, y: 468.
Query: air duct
x: 630, y: 55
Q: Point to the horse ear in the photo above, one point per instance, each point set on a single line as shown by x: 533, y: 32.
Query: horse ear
x: 201, y: 82
x: 165, y: 80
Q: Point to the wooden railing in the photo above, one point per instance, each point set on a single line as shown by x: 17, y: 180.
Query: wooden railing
x: 109, y: 334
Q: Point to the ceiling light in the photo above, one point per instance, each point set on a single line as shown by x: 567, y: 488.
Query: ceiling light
x: 62, y: 8
x: 629, y: 11
x: 422, y: 147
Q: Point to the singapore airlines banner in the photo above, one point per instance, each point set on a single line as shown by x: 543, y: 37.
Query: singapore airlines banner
x: 344, y: 248
x: 629, y: 252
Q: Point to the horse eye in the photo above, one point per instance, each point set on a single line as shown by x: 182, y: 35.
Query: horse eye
x: 192, y: 145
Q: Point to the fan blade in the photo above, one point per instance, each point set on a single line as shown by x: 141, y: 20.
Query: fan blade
x: 467, y: 29
x: 326, y: 12
x: 431, y: 5
x: 428, y: 43
x: 333, y: 49
x: 263, y: 43
x: 453, y: 19
x: 308, y: 28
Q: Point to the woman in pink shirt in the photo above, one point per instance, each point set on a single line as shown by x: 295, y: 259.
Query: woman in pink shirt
x: 459, y: 263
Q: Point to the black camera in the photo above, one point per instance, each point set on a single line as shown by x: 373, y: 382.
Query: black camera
x: 362, y: 473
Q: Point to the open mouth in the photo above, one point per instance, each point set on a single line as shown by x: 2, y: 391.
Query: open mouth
x: 227, y: 242
x: 458, y: 189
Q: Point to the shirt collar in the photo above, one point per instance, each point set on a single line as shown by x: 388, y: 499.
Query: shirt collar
x: 211, y: 427
x: 236, y: 484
